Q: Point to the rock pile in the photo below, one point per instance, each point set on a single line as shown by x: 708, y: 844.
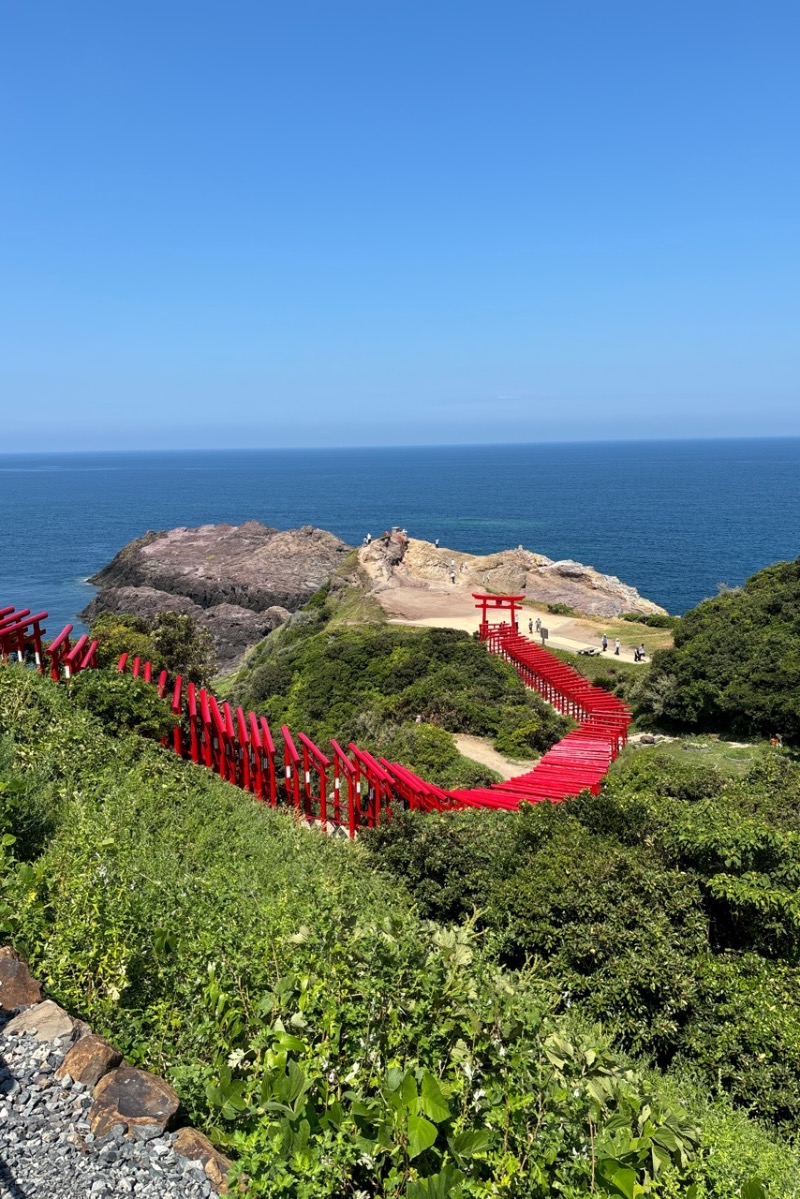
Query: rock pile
x: 75, y: 1121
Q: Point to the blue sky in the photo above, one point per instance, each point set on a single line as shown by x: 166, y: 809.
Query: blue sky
x: 350, y: 222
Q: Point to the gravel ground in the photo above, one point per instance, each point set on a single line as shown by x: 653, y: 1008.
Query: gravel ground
x: 48, y: 1152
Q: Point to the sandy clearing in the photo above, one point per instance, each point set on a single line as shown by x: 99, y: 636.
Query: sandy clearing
x: 423, y: 607
x: 478, y: 749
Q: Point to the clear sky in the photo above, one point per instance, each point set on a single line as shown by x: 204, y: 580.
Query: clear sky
x: 339, y: 222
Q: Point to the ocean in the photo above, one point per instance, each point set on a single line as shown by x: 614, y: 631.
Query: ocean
x: 673, y: 518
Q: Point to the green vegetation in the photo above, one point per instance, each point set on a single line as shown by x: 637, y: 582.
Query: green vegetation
x: 172, y: 641
x: 735, y: 665
x: 597, y: 998
x: 605, y: 670
x: 666, y: 907
x: 311, y: 1019
x: 369, y: 683
x: 655, y: 620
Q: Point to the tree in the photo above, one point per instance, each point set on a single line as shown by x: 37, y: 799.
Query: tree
x: 173, y: 642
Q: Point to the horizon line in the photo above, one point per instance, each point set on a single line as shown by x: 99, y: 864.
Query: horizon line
x: 429, y: 445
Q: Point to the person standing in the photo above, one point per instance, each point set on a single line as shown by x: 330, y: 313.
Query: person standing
x: 616, y: 646
x: 604, y: 642
x: 530, y: 624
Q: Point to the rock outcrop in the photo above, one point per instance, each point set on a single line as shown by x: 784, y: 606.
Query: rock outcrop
x: 419, y: 564
x: 239, y: 581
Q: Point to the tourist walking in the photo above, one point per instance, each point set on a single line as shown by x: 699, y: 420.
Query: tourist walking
x: 530, y: 625
x: 616, y: 646
x: 604, y: 642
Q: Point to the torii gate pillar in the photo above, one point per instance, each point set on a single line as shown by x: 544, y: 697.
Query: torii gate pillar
x: 507, y: 605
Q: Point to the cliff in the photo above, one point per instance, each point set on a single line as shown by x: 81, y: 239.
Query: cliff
x: 239, y: 581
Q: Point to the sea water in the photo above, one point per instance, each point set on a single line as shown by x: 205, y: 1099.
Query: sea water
x: 673, y: 518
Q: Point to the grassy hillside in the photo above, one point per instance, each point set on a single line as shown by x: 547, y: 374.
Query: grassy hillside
x: 309, y: 1016
x: 370, y: 681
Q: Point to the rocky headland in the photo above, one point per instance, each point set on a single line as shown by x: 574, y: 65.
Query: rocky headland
x: 242, y: 581
x: 238, y: 581
x: 401, y: 563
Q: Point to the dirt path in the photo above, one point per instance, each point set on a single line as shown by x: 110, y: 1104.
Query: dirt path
x: 478, y: 749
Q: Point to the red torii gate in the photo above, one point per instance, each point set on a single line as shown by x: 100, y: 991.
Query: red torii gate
x: 506, y: 604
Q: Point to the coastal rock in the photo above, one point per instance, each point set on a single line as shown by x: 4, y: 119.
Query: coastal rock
x: 515, y: 572
x: 233, y: 628
x: 239, y: 581
x: 250, y: 565
x: 18, y: 987
x: 133, y: 1098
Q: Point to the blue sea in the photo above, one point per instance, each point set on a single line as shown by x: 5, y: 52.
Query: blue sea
x: 674, y: 518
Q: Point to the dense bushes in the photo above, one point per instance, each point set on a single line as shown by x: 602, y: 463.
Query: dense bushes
x: 666, y: 907
x: 173, y: 642
x: 309, y: 1018
x: 735, y: 665
x: 122, y: 703
x: 654, y: 620
x: 370, y: 682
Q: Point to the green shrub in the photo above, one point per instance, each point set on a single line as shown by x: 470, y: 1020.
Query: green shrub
x: 735, y: 665
x: 654, y: 620
x: 122, y: 703
x: 173, y: 642
x: 373, y: 681
x: 666, y: 906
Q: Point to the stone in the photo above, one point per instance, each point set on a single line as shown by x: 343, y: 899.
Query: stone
x: 192, y: 1144
x: 18, y: 987
x: 412, y: 564
x: 89, y: 1059
x: 134, y: 1098
x: 238, y: 581
x: 46, y: 1021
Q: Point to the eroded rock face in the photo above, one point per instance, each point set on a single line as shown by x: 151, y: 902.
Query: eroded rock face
x: 239, y: 581
x: 249, y: 565
x: 234, y: 629
x: 507, y: 572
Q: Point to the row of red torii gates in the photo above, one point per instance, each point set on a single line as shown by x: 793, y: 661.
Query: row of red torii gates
x: 348, y: 789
